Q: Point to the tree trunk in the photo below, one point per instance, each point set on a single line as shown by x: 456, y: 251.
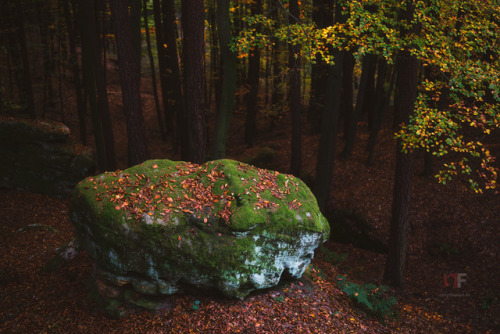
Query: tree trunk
x: 26, y: 94
x: 153, y: 71
x: 87, y: 31
x: 328, y: 138
x: 102, y: 95
x: 253, y: 86
x: 383, y: 99
x: 135, y: 23
x: 346, y: 102
x: 228, y: 82
x: 80, y: 105
x: 323, y: 17
x: 176, y: 116
x: 128, y: 70
x: 193, y: 25
x: 162, y: 64
x: 404, y: 101
x: 295, y: 100
x: 367, y: 74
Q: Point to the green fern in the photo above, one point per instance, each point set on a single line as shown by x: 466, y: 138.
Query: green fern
x: 373, y: 299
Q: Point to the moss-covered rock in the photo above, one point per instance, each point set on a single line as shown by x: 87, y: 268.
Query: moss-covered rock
x: 163, y: 227
x: 41, y: 156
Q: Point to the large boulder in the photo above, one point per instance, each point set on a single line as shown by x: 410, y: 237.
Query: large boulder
x: 164, y: 227
x: 41, y: 156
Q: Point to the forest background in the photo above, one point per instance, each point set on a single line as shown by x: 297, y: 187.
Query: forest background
x: 225, y: 77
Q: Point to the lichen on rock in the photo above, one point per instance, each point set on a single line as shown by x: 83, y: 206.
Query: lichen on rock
x: 164, y: 227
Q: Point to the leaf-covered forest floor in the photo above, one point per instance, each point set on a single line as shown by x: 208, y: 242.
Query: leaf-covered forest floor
x: 451, y: 231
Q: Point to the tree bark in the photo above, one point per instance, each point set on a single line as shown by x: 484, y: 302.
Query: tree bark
x: 367, y: 74
x: 383, y: 98
x: 253, y: 86
x: 295, y: 98
x: 153, y: 71
x: 193, y: 25
x: 175, y: 116
x: 128, y: 70
x: 228, y: 58
x: 404, y: 102
x: 323, y: 17
x: 26, y: 89
x: 87, y: 32
x: 80, y: 105
x: 328, y: 137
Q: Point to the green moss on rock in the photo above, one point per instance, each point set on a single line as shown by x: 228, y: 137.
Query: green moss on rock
x: 163, y: 226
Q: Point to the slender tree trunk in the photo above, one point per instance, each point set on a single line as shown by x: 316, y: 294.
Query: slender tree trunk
x: 102, y: 95
x: 47, y: 57
x: 80, y: 107
x: 27, y: 95
x: 130, y: 83
x: 177, y: 119
x: 367, y: 72
x: 89, y: 77
x: 382, y: 104
x: 193, y: 24
x: 295, y: 101
x: 253, y: 86
x: 267, y: 77
x: 328, y: 138
x: 346, y: 103
x: 322, y: 16
x: 153, y: 71
x: 215, y: 68
x: 228, y: 83
x: 404, y: 102
x: 162, y: 64
x: 135, y: 23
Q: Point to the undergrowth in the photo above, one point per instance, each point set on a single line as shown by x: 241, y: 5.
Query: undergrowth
x: 375, y: 300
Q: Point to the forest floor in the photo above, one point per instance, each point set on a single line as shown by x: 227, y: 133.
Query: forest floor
x: 451, y: 231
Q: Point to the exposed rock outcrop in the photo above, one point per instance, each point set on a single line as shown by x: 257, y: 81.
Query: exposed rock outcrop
x: 164, y: 227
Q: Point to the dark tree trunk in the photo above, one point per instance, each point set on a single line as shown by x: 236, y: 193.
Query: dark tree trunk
x: 88, y: 33
x: 128, y: 70
x: 383, y: 98
x: 295, y: 98
x: 176, y: 116
x: 322, y: 14
x: 162, y: 63
x: 253, y: 86
x: 47, y: 57
x: 228, y: 82
x: 80, y: 105
x: 404, y: 101
x: 102, y: 97
x: 328, y: 138
x: 135, y: 23
x: 193, y: 24
x: 26, y: 92
x: 153, y: 70
x: 346, y: 101
x: 277, y: 91
x: 367, y: 74
x: 215, y: 68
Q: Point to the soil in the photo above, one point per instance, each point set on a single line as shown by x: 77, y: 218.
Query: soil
x: 452, y: 231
